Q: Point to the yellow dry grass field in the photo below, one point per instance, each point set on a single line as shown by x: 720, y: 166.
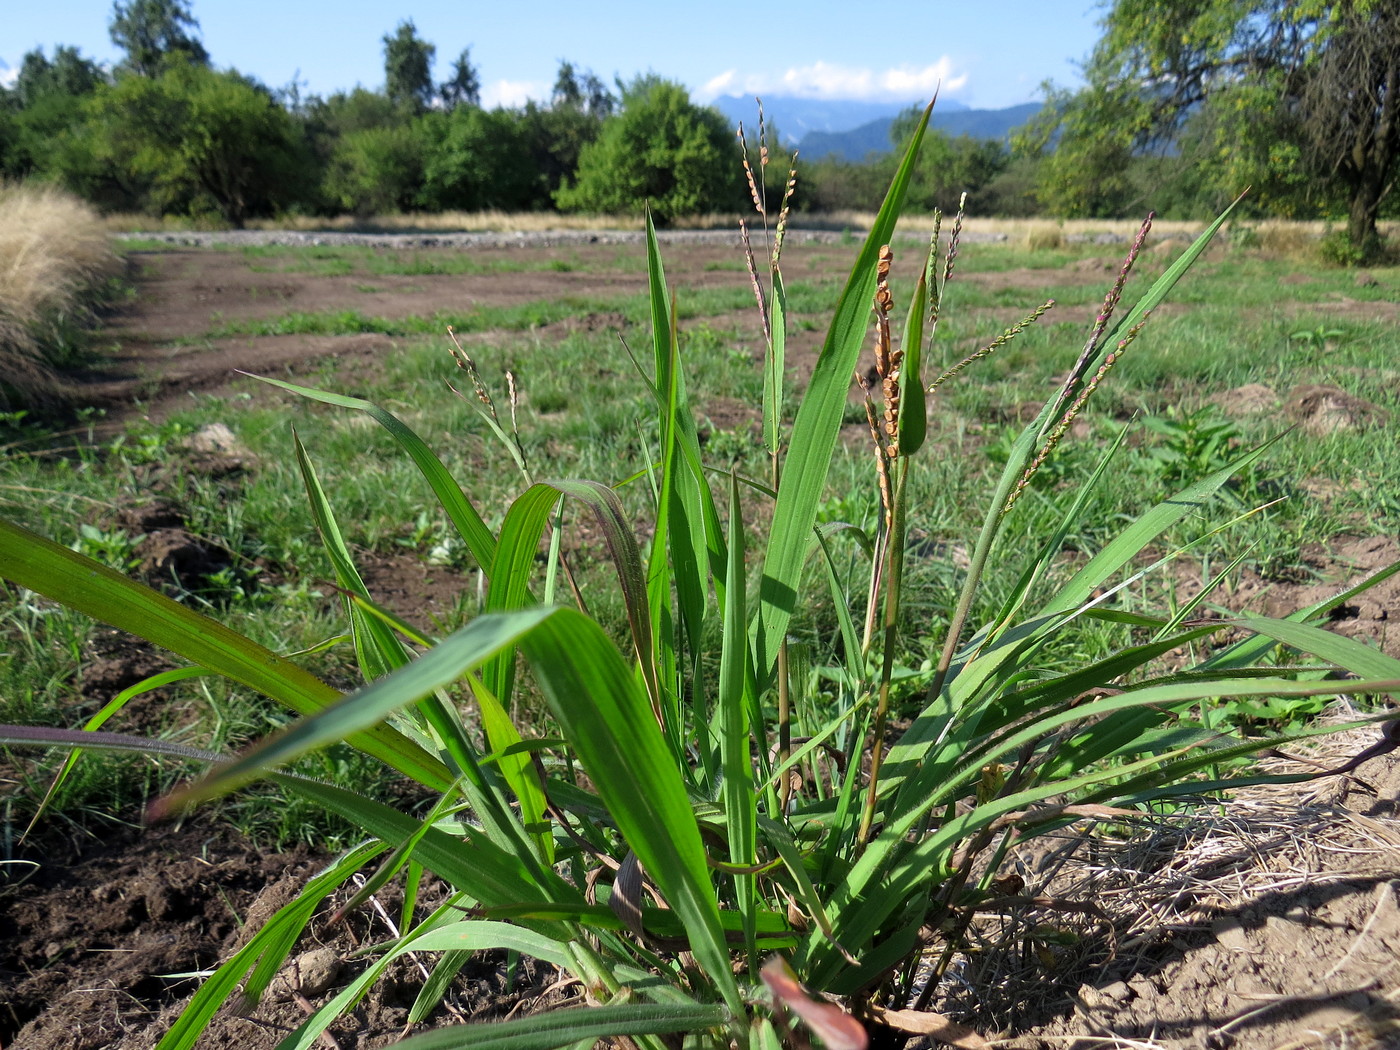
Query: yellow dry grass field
x: 54, y: 252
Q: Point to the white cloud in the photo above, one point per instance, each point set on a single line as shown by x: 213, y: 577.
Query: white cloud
x: 510, y: 93
x: 826, y: 80
x: 8, y: 74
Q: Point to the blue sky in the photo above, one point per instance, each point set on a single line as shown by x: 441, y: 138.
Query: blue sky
x: 987, y: 55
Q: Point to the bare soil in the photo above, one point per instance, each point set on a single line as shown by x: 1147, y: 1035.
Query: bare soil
x: 100, y: 937
x: 1276, y: 924
x: 1273, y: 924
x: 159, y: 353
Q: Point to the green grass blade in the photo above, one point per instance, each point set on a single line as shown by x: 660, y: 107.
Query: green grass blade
x: 446, y: 970
x: 97, y: 721
x: 1131, y: 541
x: 464, y: 937
x: 736, y: 752
x: 775, y: 367
x: 815, y: 429
x: 1356, y: 657
x: 983, y: 666
x: 376, y: 647
x: 626, y: 557
x: 480, y: 543
x: 463, y: 651
x: 510, y: 576
x: 468, y: 859
x: 607, y: 720
x: 501, y: 737
x: 1245, y: 652
x: 515, y: 765
x: 604, y: 716
x: 913, y: 409
x: 560, y: 1028
x: 520, y: 537
x: 688, y: 549
x: 94, y: 590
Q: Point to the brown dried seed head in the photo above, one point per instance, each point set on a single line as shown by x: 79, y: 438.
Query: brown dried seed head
x: 753, y: 187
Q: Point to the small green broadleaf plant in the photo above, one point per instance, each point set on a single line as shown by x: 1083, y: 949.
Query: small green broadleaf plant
x: 830, y: 848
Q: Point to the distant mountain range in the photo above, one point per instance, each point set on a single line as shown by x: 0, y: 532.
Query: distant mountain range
x: 796, y: 118
x: 852, y: 130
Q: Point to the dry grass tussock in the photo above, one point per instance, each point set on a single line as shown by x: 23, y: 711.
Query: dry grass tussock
x: 54, y: 251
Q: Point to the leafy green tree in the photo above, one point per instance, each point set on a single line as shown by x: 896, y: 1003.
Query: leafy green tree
x: 1296, y: 97
x: 150, y: 31
x: 661, y: 151
x: 834, y: 184
x: 408, y: 64
x: 356, y: 137
x: 474, y: 162
x: 190, y: 139
x: 68, y: 74
x: 355, y: 110
x: 1085, y: 143
x: 463, y: 87
x: 582, y: 91
x: 554, y: 136
x: 377, y: 170
x: 948, y: 167
x: 9, y: 162
x: 44, y: 106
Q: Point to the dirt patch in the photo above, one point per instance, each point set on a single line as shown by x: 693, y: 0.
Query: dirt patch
x: 1347, y: 309
x: 90, y: 934
x: 1320, y: 572
x: 157, y: 353
x: 158, y: 378
x: 1317, y: 408
x: 1324, y: 409
x: 425, y: 594
x: 95, y: 938
x: 1273, y: 924
x: 1252, y: 399
x: 114, y: 660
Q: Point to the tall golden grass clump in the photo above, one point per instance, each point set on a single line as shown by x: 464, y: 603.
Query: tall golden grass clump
x: 1043, y: 237
x: 54, y: 256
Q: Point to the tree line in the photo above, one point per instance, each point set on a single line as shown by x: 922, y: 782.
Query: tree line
x: 1187, y: 102
x: 166, y: 132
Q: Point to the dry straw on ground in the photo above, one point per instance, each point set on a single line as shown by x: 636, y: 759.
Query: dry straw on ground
x: 54, y: 251
x: 1270, y: 922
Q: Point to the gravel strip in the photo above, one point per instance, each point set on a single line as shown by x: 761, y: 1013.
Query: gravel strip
x: 521, y: 239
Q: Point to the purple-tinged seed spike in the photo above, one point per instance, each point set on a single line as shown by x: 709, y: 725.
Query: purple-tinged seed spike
x: 996, y: 344
x: 1062, y: 427
x: 1105, y: 314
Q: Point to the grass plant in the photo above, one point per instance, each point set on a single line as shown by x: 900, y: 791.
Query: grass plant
x: 700, y: 742
x: 55, y: 258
